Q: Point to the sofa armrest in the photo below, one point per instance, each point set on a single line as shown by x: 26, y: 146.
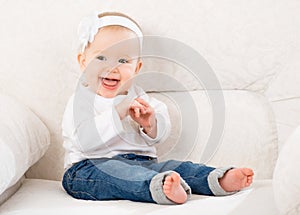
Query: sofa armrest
x: 286, y: 179
x: 24, y: 139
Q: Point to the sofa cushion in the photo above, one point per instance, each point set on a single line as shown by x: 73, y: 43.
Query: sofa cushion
x: 23, y: 140
x: 287, y: 176
x: 247, y: 133
x: 47, y: 197
x: 11, y: 191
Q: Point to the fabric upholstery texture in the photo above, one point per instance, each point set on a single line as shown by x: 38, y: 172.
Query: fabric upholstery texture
x: 246, y: 53
x: 286, y: 178
x: 24, y: 139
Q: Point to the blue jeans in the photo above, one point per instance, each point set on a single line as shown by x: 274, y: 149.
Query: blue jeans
x: 128, y: 176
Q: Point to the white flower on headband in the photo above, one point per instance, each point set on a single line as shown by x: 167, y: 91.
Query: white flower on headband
x: 89, y: 26
x: 87, y: 30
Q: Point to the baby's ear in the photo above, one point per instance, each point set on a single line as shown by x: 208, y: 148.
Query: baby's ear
x: 138, y: 66
x: 81, y: 61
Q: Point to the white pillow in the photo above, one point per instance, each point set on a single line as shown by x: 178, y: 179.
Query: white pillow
x: 23, y: 140
x: 286, y: 180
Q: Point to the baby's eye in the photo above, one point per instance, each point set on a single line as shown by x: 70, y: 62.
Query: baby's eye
x: 123, y: 60
x: 101, y: 58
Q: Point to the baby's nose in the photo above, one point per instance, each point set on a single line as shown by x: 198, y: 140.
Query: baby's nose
x: 108, y: 71
x: 114, y: 69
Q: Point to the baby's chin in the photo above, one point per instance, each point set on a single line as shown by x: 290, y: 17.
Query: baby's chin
x: 111, y: 94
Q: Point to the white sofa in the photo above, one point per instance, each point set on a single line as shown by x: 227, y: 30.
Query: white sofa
x: 252, y: 49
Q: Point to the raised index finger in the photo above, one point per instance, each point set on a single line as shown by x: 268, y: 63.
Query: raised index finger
x: 142, y: 101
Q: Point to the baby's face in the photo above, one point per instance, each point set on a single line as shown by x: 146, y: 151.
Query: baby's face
x: 110, y: 61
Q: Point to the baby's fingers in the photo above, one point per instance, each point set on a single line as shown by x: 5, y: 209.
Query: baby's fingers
x: 136, y: 112
x: 143, y: 110
x: 142, y: 101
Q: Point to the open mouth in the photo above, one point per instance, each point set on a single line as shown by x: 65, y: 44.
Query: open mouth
x: 110, y: 83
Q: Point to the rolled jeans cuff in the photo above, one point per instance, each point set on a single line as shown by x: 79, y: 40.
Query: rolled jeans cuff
x: 156, y: 188
x: 213, y: 181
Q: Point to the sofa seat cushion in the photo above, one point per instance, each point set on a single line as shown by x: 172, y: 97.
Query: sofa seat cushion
x: 37, y: 197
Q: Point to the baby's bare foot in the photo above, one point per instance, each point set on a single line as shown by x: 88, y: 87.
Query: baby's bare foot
x: 236, y: 179
x: 173, y: 189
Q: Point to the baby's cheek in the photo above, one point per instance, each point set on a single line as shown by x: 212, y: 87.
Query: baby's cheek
x: 127, y: 78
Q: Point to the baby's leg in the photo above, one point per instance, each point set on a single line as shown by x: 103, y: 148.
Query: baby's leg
x: 173, y: 189
x: 111, y: 179
x: 195, y: 175
x: 236, y: 179
x: 202, y: 179
x: 108, y: 179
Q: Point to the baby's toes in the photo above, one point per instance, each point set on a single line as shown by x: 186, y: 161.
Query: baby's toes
x: 249, y: 181
x: 167, y: 183
x: 168, y: 180
x: 248, y: 172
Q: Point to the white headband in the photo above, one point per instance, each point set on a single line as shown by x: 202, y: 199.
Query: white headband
x: 89, y: 27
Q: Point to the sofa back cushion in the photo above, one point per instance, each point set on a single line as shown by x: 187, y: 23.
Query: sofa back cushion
x: 247, y: 135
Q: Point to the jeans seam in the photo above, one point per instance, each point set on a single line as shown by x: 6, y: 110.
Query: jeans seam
x: 77, y: 192
x: 107, y: 182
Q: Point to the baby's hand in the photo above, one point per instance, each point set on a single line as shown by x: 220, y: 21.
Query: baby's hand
x: 141, y: 112
x: 136, y: 108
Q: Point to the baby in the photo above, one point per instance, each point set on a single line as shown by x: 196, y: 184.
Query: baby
x: 111, y: 126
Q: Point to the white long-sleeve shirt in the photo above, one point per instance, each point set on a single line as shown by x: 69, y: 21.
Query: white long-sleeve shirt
x: 92, y: 127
